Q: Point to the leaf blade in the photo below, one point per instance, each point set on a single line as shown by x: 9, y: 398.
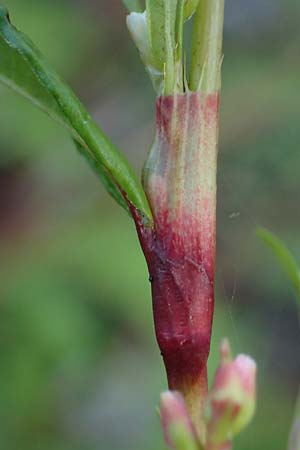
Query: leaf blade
x: 24, y: 69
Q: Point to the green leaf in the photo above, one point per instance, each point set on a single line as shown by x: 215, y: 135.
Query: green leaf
x: 24, y: 69
x: 133, y: 5
x: 283, y: 256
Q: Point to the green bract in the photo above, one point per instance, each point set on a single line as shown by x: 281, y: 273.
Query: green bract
x: 189, y: 8
x: 162, y: 37
x: 161, y: 17
x: 24, y: 69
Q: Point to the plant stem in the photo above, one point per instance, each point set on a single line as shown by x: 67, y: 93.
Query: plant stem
x: 179, y: 178
x: 207, y: 46
x: 180, y: 181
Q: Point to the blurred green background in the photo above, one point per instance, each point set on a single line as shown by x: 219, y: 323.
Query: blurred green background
x: 79, y: 366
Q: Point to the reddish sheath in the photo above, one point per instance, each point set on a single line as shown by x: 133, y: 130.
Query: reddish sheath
x: 180, y: 182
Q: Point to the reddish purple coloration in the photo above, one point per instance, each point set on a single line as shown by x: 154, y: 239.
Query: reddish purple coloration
x: 182, y: 291
x: 180, y: 182
x: 181, y: 249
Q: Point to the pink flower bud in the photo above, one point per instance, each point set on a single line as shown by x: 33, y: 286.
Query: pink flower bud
x: 231, y: 401
x: 175, y: 420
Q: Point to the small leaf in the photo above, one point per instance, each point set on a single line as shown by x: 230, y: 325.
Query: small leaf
x: 133, y: 5
x: 283, y: 256
x: 24, y: 69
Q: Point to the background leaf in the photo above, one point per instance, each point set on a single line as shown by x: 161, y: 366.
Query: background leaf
x: 103, y: 175
x: 24, y: 69
x: 133, y: 5
x: 283, y: 256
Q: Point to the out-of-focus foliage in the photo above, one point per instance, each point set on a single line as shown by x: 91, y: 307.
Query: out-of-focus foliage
x: 289, y: 265
x: 283, y: 257
x: 133, y: 5
x: 79, y: 367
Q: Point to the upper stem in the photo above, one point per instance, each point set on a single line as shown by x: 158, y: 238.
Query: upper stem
x: 207, y: 46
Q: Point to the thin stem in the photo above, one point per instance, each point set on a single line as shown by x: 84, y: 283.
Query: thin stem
x: 207, y: 46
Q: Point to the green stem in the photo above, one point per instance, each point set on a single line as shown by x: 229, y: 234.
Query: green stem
x: 207, y: 46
